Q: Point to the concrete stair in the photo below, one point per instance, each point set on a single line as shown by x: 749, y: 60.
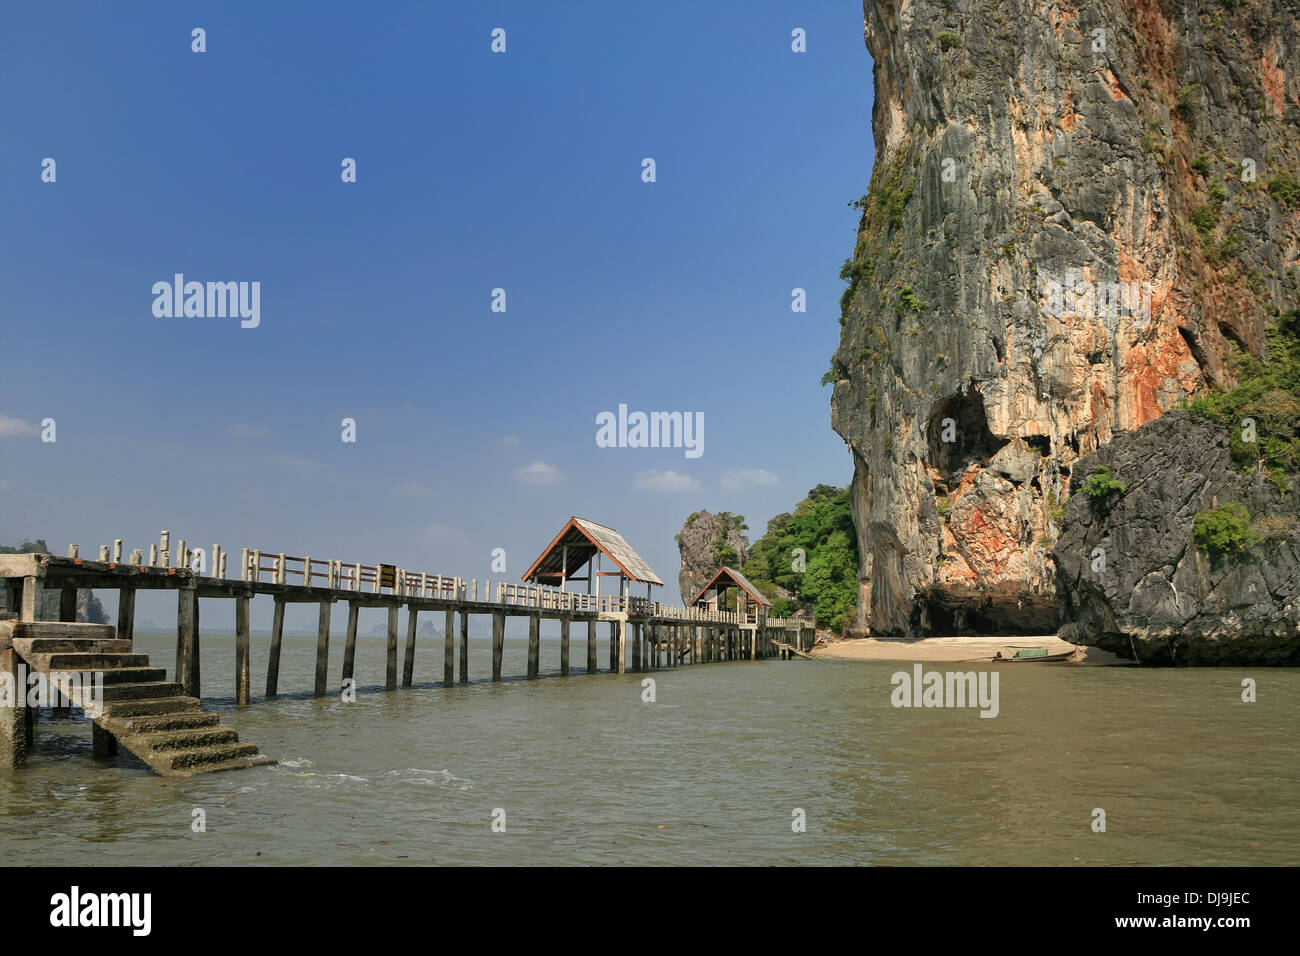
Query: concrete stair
x: 139, y: 707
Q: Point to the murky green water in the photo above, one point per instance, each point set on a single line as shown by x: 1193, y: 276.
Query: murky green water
x: 710, y: 773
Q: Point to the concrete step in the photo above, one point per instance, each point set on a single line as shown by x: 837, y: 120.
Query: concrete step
x: 166, y: 740
x: 151, y: 707
x: 192, y: 761
x: 235, y: 763
x: 19, y: 630
x: 87, y: 662
x: 133, y: 675
x: 81, y: 645
x: 154, y: 723
x: 116, y: 692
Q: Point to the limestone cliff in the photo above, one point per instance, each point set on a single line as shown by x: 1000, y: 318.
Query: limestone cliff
x: 1074, y: 209
x: 707, y: 542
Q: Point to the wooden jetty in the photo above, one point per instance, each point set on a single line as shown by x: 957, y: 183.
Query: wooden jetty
x: 644, y: 634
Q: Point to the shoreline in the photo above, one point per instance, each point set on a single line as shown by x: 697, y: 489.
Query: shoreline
x: 952, y: 649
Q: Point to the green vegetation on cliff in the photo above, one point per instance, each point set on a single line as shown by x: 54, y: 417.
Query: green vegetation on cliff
x: 812, y: 556
x: 1262, y: 412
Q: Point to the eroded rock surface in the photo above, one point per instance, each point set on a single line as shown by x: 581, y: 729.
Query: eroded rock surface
x: 1022, y: 149
x: 1131, y: 578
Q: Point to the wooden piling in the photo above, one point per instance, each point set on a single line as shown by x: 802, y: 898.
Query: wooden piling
x: 464, y: 647
x: 620, y: 647
x: 323, y: 649
x: 408, y: 659
x: 350, y: 641
x: 613, y: 647
x: 390, y: 676
x: 68, y: 604
x: 564, y: 645
x: 241, y: 650
x: 187, y: 640
x: 498, y: 642
x: 449, y: 649
x: 534, y: 644
x: 126, y: 614
x: 591, y: 647
x: 273, y: 658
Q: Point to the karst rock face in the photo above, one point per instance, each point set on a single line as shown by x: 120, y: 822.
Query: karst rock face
x: 703, y: 539
x: 1023, y: 150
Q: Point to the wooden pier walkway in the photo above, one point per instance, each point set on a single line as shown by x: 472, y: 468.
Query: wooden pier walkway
x: 644, y: 635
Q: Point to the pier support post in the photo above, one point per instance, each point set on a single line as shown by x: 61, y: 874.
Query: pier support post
x: 498, y: 642
x: 323, y: 649
x: 591, y: 647
x: 534, y: 644
x: 636, y: 646
x: 31, y: 598
x: 102, y: 744
x: 68, y: 604
x: 449, y: 649
x: 408, y: 659
x: 564, y: 646
x: 241, y: 650
x: 277, y: 639
x: 187, y: 640
x: 613, y: 648
x: 126, y: 614
x: 390, y: 675
x: 464, y: 647
x: 13, y: 712
x: 753, y: 644
x: 620, y: 647
x: 350, y: 641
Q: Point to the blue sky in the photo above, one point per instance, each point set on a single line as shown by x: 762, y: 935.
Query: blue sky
x: 475, y: 171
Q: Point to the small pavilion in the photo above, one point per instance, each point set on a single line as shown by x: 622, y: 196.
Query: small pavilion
x: 582, y: 551
x: 752, y: 604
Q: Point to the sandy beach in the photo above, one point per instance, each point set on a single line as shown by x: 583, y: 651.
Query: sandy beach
x: 954, y: 649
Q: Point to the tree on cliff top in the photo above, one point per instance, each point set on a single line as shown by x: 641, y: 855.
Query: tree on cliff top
x: 811, y: 555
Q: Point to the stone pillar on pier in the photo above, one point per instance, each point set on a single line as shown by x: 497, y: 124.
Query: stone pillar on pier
x: 591, y: 647
x: 68, y: 604
x: 620, y: 646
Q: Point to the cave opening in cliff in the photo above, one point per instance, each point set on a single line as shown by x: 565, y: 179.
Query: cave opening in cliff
x: 958, y: 434
x: 939, y: 615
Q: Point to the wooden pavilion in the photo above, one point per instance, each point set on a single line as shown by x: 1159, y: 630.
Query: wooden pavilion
x: 752, y: 604
x: 584, y: 546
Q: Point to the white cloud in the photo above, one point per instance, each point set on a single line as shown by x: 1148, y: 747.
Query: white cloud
x: 509, y: 440
x: 737, y: 479
x: 539, y: 473
x: 241, y: 430
x: 669, y: 481
x: 16, y: 427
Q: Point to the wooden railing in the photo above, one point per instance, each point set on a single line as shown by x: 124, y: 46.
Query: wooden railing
x: 353, y: 576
